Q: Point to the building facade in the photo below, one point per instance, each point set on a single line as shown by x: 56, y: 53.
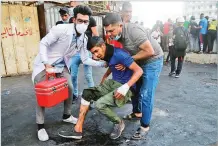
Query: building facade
x: 195, y: 8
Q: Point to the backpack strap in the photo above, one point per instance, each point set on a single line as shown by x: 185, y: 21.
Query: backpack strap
x: 185, y: 33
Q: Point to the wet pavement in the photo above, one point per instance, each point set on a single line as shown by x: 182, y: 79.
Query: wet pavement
x: 185, y: 113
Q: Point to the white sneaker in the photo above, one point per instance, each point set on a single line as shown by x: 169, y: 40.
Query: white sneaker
x: 42, y: 135
x: 71, y: 119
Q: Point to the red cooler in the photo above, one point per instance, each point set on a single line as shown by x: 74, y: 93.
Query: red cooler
x: 51, y: 92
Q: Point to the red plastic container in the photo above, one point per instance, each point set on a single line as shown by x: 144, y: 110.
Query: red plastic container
x: 51, y: 92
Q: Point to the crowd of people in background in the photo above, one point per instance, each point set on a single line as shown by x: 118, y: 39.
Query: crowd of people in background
x: 200, y: 38
x: 202, y: 34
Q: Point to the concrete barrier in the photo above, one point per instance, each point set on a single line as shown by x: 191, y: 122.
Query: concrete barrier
x: 199, y: 58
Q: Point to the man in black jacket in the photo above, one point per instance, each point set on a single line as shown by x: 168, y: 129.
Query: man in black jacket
x: 194, y: 34
x: 180, y: 36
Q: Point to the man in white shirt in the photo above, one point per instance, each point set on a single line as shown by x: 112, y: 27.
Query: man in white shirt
x: 55, y: 52
x: 156, y: 34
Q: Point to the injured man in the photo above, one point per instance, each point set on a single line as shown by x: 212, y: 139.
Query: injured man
x: 110, y: 93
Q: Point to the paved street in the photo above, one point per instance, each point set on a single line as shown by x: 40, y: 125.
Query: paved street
x: 185, y: 113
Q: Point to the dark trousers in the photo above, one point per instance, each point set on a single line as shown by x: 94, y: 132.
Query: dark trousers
x: 169, y: 54
x: 179, y: 66
x: 211, y: 36
x: 165, y: 42
x: 136, y: 108
x: 168, y: 57
x: 203, y: 40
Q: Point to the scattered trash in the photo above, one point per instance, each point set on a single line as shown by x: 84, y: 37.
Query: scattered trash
x: 5, y: 92
x: 127, y: 140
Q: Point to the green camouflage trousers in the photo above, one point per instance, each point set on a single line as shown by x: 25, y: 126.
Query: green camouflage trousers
x: 103, y: 95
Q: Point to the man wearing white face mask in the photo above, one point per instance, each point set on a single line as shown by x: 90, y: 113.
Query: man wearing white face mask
x: 55, y: 52
x: 76, y: 59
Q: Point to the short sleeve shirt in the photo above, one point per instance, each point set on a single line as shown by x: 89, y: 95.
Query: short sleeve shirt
x: 166, y: 28
x: 186, y: 24
x: 121, y: 56
x: 203, y: 24
x: 134, y: 35
x: 213, y: 25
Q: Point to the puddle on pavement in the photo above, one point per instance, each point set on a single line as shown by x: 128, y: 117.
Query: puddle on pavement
x: 96, y: 139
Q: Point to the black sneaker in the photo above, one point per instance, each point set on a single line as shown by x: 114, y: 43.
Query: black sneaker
x: 118, y: 128
x: 177, y: 76
x: 172, y: 73
x: 70, y: 134
x: 74, y: 98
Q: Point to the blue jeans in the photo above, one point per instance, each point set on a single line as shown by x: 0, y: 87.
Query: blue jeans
x: 194, y: 47
x: 136, y: 104
x: 150, y: 78
x: 76, y: 61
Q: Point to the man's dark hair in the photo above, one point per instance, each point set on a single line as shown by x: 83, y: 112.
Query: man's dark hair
x: 84, y: 10
x: 207, y: 17
x: 126, y: 5
x: 192, y: 18
x: 95, y: 41
x: 63, y: 11
x: 202, y: 14
x: 111, y: 18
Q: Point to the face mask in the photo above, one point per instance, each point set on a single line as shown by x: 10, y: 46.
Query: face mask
x: 117, y: 37
x: 81, y: 28
x: 66, y: 21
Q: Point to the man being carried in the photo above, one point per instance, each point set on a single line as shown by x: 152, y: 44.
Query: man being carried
x: 110, y: 93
